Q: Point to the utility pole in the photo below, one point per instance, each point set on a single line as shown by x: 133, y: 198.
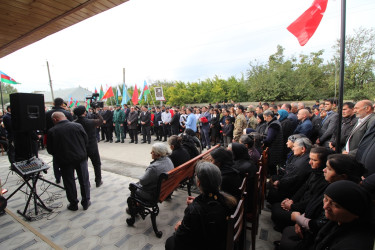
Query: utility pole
x: 123, y: 75
x: 50, y: 83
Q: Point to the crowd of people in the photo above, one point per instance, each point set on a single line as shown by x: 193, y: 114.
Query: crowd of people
x: 320, y: 197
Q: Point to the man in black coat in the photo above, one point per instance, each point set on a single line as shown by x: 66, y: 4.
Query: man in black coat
x: 107, y: 124
x: 67, y: 143
x: 145, y: 118
x: 132, y: 125
x: 175, y: 123
x: 58, y: 106
x: 89, y: 126
x: 157, y: 124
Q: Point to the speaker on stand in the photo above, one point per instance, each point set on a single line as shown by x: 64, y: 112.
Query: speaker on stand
x: 28, y: 116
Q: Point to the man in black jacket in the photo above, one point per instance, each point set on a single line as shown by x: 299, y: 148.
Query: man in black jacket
x: 67, y: 143
x: 175, y: 122
x: 58, y: 106
x: 89, y: 126
x: 145, y: 118
x: 107, y: 124
x: 157, y: 124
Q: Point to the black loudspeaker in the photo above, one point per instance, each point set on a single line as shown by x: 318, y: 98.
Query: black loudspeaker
x: 27, y: 111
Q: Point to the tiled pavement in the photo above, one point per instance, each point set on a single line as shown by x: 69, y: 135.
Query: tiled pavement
x: 103, y: 225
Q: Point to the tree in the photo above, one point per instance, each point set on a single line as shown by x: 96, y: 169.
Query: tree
x: 7, y: 89
x: 359, y: 77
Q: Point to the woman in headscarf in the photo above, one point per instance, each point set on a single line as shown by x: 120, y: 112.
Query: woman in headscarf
x: 348, y: 208
x: 231, y: 176
x: 204, y: 225
x: 302, y: 235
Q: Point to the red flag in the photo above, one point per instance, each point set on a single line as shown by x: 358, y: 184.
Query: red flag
x: 109, y: 93
x: 305, y: 26
x: 135, y: 96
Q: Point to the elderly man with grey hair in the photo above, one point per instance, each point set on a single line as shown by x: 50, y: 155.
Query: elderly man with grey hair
x: 145, y: 189
x: 305, y: 126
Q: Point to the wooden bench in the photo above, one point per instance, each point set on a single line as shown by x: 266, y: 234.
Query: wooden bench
x: 236, y: 232
x: 167, y: 183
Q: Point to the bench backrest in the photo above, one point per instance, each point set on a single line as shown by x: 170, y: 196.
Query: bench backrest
x: 168, y: 182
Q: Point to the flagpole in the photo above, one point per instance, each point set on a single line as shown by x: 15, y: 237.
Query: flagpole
x: 342, y: 71
x: 2, y: 101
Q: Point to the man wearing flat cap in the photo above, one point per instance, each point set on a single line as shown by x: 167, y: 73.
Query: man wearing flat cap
x: 92, y: 147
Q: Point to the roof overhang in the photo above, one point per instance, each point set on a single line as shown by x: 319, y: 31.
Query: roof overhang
x: 24, y: 22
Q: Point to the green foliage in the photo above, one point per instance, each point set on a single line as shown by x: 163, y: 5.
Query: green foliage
x: 305, y: 77
x: 7, y: 89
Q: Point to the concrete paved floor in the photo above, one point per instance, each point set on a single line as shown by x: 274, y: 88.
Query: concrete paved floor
x: 103, y: 225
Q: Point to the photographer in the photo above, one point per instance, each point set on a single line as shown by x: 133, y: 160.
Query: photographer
x: 89, y: 126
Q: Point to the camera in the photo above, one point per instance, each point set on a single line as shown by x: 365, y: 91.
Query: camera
x: 94, y: 103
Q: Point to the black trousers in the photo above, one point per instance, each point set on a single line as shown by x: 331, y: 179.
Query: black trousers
x: 103, y: 132
x: 56, y: 170
x: 281, y: 217
x: 159, y: 132
x: 133, y: 135
x: 95, y: 160
x: 109, y: 133
x: 146, y: 132
x: 166, y: 130
x: 67, y: 172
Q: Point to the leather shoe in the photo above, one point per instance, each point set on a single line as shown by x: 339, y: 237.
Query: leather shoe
x: 156, y: 139
x: 136, y: 142
x: 98, y: 184
x: 110, y: 141
x: 131, y: 142
x: 143, y: 142
x: 72, y: 207
x: 122, y: 141
x: 117, y: 141
x: 87, y: 205
x: 149, y: 142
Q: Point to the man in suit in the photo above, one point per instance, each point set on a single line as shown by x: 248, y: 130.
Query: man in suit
x: 329, y: 124
x: 175, y: 122
x: 146, y: 124
x: 107, y: 124
x: 364, y: 112
x: 126, y: 111
x: 158, y: 127
x: 205, y: 120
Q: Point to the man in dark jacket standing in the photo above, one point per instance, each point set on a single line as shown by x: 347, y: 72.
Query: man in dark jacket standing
x: 107, y: 124
x: 67, y: 143
x: 157, y: 125
x: 89, y: 125
x: 58, y: 106
x: 175, y: 123
x: 132, y: 125
x: 145, y: 118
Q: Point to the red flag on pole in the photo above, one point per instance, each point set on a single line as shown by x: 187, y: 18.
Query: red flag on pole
x: 305, y: 26
x: 109, y: 93
x: 135, y: 96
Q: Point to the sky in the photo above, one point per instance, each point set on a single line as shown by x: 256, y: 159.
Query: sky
x: 175, y: 40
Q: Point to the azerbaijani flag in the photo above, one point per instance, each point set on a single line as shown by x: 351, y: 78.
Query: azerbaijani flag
x: 72, y: 104
x: 4, y: 78
x: 101, y: 93
x: 71, y: 101
x: 96, y: 91
x: 145, y: 91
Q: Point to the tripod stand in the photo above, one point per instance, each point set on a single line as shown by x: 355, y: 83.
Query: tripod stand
x: 29, y: 171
